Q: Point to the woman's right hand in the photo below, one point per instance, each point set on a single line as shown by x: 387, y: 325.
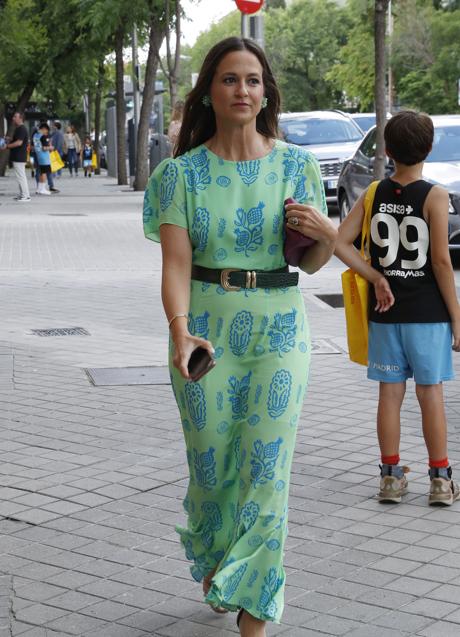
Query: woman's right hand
x: 184, y: 345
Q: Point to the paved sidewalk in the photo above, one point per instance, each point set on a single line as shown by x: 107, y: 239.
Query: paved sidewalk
x: 92, y: 478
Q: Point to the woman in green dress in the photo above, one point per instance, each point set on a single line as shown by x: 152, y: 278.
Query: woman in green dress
x: 218, y: 207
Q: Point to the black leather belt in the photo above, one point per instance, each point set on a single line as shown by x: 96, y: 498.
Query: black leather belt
x: 233, y: 280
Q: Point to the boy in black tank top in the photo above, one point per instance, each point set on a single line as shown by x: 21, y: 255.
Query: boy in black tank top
x: 414, y: 315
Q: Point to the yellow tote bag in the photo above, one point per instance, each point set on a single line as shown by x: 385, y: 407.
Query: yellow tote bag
x: 94, y: 160
x: 356, y: 292
x: 56, y: 161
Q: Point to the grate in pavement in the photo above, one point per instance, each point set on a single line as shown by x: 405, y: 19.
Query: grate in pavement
x: 334, y: 300
x: 62, y: 331
x: 128, y: 376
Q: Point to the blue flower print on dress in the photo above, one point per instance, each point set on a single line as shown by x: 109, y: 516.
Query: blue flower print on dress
x: 238, y: 395
x: 258, y: 393
x: 263, y: 461
x: 273, y: 249
x: 240, y: 455
x: 147, y: 210
x: 279, y: 392
x: 213, y: 523
x: 248, y: 229
x: 222, y: 427
x: 220, y: 400
x: 219, y: 255
x: 223, y: 181
x: 196, y: 170
x: 219, y: 326
x: 252, y: 579
x: 221, y: 227
x: 240, y: 332
x: 254, y: 420
x: 271, y: 179
x: 200, y: 229
x: 248, y: 170
x: 231, y: 583
x: 264, y: 323
x: 272, y: 584
x: 198, y: 325
x: 248, y: 514
x: 282, y: 332
x: 276, y: 224
x: 168, y: 185
x: 294, y: 167
x: 196, y: 401
x: 205, y: 468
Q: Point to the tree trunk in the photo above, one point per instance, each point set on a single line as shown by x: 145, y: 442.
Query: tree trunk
x: 97, y: 114
x: 381, y: 7
x: 20, y: 107
x: 157, y: 34
x: 173, y: 62
x: 120, y: 108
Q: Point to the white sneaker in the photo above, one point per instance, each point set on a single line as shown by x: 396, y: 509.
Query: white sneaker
x: 24, y: 199
x: 443, y: 492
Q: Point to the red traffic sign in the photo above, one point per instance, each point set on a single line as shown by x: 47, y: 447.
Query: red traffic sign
x: 249, y: 6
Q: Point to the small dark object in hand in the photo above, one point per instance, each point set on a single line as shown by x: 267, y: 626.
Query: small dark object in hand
x: 200, y: 363
x: 295, y: 242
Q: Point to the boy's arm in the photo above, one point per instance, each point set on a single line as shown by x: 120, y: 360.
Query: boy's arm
x: 349, y: 229
x: 437, y: 211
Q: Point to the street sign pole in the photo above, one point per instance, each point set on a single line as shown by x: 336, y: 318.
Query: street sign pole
x: 251, y: 25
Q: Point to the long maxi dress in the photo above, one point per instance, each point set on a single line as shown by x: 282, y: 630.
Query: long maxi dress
x: 239, y: 420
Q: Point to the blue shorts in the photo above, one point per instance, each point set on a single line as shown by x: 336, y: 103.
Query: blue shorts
x: 398, y: 351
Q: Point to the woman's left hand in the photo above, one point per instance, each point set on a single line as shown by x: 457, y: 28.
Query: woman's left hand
x: 311, y: 223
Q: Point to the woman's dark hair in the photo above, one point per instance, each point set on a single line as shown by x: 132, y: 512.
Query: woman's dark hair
x: 409, y: 137
x: 44, y: 125
x: 199, y: 122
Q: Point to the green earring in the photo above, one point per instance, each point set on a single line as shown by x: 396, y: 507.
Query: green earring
x: 206, y: 101
x: 264, y: 101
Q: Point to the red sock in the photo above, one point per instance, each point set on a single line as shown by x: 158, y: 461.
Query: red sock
x: 439, y: 464
x: 391, y: 459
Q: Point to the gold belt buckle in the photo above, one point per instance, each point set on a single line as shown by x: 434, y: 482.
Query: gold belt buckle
x: 225, y: 280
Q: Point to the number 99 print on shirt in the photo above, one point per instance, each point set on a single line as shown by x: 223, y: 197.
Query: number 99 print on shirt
x: 400, y: 250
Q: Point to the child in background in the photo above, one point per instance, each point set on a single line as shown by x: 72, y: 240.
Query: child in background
x: 42, y: 147
x: 414, y: 315
x: 87, y: 156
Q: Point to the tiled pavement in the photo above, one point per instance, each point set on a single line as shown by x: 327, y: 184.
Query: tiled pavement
x: 92, y: 478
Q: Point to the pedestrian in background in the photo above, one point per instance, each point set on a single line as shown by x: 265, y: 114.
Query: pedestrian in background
x: 18, y: 155
x: 57, y: 140
x: 72, y: 149
x: 218, y: 207
x: 36, y: 171
x: 176, y: 122
x: 42, y: 147
x: 414, y: 315
x: 87, y: 156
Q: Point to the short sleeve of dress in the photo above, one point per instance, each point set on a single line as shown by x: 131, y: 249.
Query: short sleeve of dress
x: 164, y: 199
x: 316, y: 196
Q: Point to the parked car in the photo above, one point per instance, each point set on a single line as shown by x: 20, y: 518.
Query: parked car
x: 330, y: 135
x: 365, y: 120
x: 442, y: 167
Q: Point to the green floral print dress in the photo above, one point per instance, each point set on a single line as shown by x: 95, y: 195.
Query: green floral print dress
x: 239, y: 420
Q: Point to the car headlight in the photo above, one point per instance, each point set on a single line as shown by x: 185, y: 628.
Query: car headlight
x: 454, y: 204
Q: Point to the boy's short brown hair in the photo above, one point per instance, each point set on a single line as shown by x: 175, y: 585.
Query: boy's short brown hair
x: 409, y: 137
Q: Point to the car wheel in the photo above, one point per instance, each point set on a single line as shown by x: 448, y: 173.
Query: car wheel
x: 344, y: 206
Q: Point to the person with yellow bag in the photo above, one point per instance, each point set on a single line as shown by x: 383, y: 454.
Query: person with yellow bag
x: 413, y: 311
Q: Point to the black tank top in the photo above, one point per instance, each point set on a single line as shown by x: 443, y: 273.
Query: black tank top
x: 400, y: 249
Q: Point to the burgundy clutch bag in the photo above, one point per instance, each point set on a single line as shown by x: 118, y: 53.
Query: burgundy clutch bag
x: 295, y: 243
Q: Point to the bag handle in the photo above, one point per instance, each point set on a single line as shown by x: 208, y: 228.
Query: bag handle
x: 365, y: 231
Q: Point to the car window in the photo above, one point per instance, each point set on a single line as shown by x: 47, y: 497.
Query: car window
x: 365, y: 122
x: 319, y: 131
x: 367, y: 148
x: 446, y: 144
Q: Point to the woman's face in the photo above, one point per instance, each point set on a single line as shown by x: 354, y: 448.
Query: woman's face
x: 237, y: 88
x: 68, y: 130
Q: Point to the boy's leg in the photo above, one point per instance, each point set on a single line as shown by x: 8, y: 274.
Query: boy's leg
x: 391, y: 396
x: 431, y: 401
x: 393, y: 483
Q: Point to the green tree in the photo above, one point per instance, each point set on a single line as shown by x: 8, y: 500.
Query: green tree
x: 228, y: 26
x: 303, y: 43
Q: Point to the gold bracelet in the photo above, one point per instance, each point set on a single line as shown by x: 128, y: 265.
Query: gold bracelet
x: 175, y: 317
